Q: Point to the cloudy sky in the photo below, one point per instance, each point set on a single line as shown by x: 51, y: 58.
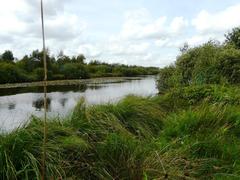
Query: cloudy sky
x: 141, y: 32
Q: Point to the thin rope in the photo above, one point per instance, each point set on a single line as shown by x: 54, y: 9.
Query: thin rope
x: 45, y: 98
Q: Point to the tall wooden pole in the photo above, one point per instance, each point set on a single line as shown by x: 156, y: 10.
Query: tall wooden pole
x: 45, y: 98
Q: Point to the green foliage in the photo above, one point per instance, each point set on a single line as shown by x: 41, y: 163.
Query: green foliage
x: 7, y: 56
x: 10, y: 73
x: 38, y: 74
x: 229, y: 65
x: 74, y: 71
x: 65, y: 67
x: 207, y: 135
x: 185, y: 96
x: 233, y: 37
x: 196, y: 66
x: 138, y: 115
x: 21, y: 152
x: 98, y: 69
x: 167, y: 78
x: 79, y: 59
x: 210, y: 63
x: 29, y: 64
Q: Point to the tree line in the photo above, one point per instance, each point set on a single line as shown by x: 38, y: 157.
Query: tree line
x: 30, y: 68
x: 210, y: 63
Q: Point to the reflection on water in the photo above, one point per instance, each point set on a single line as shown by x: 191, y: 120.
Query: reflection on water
x: 63, y: 101
x: 39, y: 104
x: 17, y: 105
x: 74, y: 88
x: 11, y: 106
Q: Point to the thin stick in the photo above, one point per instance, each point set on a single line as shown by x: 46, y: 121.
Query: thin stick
x: 45, y: 98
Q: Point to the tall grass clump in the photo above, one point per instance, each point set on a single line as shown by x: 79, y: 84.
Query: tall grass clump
x: 20, y: 154
x: 179, y: 98
x: 21, y: 151
x: 133, y: 115
x: 207, y: 134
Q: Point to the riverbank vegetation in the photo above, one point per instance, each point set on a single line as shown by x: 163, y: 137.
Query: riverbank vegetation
x: 190, y: 131
x: 210, y: 63
x: 62, y: 67
x: 176, y: 136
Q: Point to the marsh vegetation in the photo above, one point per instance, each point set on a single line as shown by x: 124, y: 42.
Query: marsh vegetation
x: 190, y: 131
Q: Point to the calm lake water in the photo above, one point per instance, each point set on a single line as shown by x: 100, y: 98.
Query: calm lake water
x: 17, y: 105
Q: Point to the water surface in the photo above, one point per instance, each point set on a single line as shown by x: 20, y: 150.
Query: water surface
x: 17, y: 105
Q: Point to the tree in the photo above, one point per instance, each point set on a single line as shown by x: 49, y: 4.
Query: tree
x: 233, y: 37
x: 94, y: 62
x: 63, y: 59
x: 80, y: 59
x: 7, y: 56
x: 37, y: 58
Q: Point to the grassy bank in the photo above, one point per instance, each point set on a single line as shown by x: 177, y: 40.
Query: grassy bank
x: 70, y: 82
x: 192, y: 132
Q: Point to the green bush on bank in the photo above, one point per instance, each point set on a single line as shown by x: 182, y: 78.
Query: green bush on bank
x: 210, y: 63
x: 10, y: 73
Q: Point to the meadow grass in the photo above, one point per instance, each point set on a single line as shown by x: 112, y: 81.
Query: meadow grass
x: 136, y: 138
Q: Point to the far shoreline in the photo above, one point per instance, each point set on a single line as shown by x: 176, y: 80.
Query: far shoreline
x: 98, y: 80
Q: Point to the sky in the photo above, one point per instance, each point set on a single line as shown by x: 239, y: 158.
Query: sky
x: 134, y: 32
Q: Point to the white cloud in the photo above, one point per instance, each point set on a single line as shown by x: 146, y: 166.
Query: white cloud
x: 178, y: 24
x: 192, y: 41
x: 141, y: 34
x: 203, y: 38
x: 140, y: 25
x: 143, y: 38
x: 218, y: 22
x: 162, y: 42
x: 90, y: 50
x: 128, y: 48
x: 21, y: 26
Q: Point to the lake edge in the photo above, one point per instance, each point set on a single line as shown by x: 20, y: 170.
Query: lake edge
x: 70, y: 82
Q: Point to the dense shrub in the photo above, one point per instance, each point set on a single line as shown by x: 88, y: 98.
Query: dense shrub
x: 9, y: 73
x: 232, y: 37
x: 74, y: 71
x: 210, y: 63
x: 228, y: 65
x: 167, y: 78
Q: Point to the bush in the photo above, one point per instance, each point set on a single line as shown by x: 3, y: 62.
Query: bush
x: 232, y: 37
x: 38, y: 73
x: 228, y: 65
x: 167, y: 78
x: 210, y: 63
x: 74, y: 71
x: 11, y: 74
